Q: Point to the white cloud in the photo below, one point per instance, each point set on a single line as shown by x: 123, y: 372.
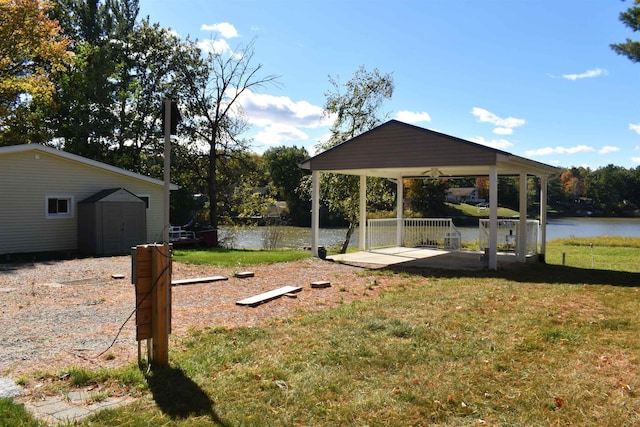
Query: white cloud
x: 226, y: 30
x: 635, y: 128
x: 279, y: 119
x: 559, y: 150
x: 274, y: 134
x: 413, y: 117
x: 264, y: 110
x: 587, y: 74
x: 503, y: 131
x: 608, y: 149
x: 499, y: 144
x: 635, y: 160
x: 504, y: 126
x: 214, y: 46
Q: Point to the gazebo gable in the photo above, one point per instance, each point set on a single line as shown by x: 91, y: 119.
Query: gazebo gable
x: 397, y: 144
x: 399, y: 149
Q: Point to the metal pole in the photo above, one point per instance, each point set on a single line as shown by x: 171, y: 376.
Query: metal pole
x: 167, y: 167
x: 166, y: 252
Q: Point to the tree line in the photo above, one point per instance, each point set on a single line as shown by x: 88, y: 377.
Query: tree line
x: 89, y: 77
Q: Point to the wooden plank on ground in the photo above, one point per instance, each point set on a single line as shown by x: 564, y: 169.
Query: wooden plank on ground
x: 244, y: 274
x: 268, y: 296
x: 198, y: 280
x: 321, y: 284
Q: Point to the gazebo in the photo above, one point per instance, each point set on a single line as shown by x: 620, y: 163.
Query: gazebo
x: 397, y: 150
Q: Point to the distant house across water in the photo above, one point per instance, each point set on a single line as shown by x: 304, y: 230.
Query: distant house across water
x: 463, y: 195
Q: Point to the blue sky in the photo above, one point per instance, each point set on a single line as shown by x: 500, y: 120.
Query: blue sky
x: 535, y: 78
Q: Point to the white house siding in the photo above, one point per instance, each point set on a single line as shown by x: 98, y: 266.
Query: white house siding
x: 28, y: 177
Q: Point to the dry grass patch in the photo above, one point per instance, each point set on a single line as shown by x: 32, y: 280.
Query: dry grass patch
x: 442, y: 351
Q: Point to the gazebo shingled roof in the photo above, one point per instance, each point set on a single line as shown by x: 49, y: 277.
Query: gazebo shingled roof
x: 396, y: 149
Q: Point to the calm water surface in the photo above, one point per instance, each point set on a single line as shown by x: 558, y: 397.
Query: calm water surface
x: 293, y: 237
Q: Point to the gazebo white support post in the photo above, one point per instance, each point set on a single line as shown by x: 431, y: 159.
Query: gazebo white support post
x: 315, y: 212
x: 543, y: 218
x: 362, y: 237
x: 522, y: 229
x: 399, y: 211
x: 493, y: 218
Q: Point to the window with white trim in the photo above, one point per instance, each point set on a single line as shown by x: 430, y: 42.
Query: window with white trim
x: 59, y: 206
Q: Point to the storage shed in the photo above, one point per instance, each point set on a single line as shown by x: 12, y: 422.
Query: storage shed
x: 110, y: 222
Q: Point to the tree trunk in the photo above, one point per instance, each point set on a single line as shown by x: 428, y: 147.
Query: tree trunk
x: 213, y: 190
x: 347, y: 239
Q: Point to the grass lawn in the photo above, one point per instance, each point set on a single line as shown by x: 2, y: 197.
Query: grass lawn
x: 543, y: 345
x: 473, y: 211
x: 235, y: 257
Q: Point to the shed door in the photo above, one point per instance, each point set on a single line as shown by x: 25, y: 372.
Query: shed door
x: 134, y: 226
x: 123, y: 227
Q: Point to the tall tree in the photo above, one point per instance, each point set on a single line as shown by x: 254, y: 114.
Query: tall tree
x: 87, y: 92
x: 282, y: 163
x: 213, y: 114
x: 610, y: 187
x: 426, y: 195
x: 356, y: 110
x: 110, y: 101
x: 33, y: 52
x: 630, y: 48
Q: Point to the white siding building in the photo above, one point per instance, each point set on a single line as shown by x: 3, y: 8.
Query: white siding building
x: 40, y: 188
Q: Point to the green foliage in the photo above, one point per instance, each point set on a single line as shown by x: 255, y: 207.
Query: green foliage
x: 249, y: 201
x: 110, y: 101
x: 630, y: 48
x: 607, y: 191
x: 612, y: 188
x: 33, y: 53
x: 282, y: 163
x: 426, y: 196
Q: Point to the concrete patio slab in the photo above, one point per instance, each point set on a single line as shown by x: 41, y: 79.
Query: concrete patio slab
x: 423, y: 258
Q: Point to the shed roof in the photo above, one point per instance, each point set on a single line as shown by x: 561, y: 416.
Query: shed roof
x: 75, y: 158
x: 112, y: 195
x: 396, y: 149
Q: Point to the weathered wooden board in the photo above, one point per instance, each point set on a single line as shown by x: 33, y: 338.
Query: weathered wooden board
x: 198, y: 280
x: 244, y: 274
x: 321, y: 284
x: 268, y: 296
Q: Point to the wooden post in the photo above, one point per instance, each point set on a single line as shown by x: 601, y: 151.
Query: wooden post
x: 161, y: 304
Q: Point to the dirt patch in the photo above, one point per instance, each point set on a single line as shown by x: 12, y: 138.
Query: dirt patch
x: 68, y: 313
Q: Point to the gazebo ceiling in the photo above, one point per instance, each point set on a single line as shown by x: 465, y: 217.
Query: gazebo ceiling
x: 396, y: 149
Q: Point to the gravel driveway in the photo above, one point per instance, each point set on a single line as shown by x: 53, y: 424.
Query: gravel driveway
x: 59, y: 314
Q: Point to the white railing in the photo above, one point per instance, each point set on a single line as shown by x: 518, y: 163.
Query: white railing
x: 508, y: 235
x: 413, y: 232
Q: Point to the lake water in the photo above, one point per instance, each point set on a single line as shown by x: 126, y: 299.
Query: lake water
x: 293, y: 237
